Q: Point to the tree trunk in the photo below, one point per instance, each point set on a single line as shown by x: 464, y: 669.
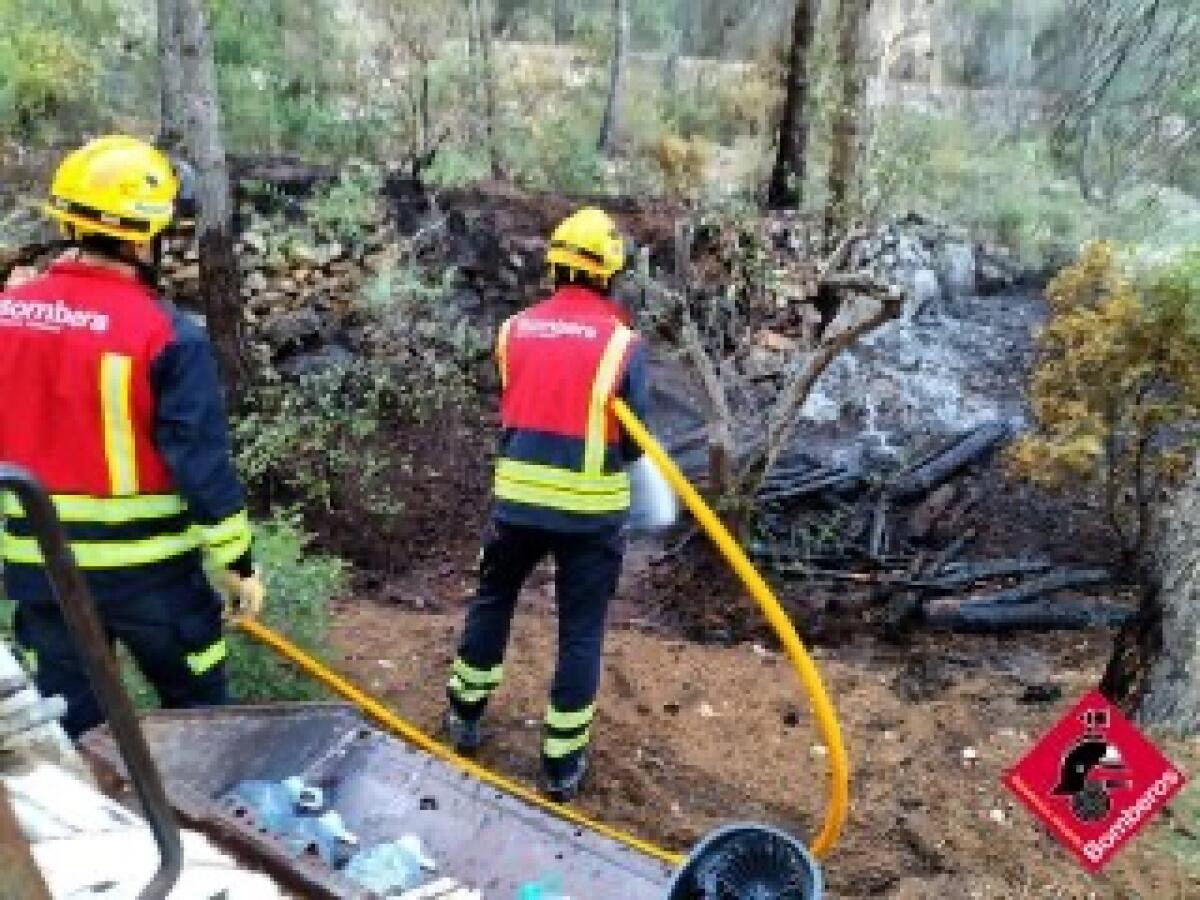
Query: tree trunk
x: 787, y: 177
x: 610, y: 127
x: 503, y: 17
x: 564, y: 25
x: 219, y: 284
x: 844, y: 156
x: 488, y: 74
x: 1156, y: 665
x: 172, y: 105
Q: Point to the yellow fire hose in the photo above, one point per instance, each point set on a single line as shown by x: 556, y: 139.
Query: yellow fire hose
x: 826, y: 718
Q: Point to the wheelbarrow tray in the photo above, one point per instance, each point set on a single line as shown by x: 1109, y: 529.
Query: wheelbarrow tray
x: 383, y: 788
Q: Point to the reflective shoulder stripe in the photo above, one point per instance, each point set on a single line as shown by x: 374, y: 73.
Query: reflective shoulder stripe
x: 603, y: 386
x: 208, y: 658
x: 106, y: 510
x: 107, y: 554
x: 502, y: 351
x: 116, y: 372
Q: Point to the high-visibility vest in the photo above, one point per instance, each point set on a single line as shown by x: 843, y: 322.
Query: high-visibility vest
x: 76, y: 350
x: 561, y: 363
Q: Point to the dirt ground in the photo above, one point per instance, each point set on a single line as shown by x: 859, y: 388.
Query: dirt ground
x: 690, y: 736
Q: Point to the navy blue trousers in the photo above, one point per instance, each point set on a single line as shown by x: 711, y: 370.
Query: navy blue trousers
x: 587, y: 570
x: 172, y: 630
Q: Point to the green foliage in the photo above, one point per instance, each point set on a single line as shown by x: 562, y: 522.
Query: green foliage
x: 55, y: 65
x: 1007, y: 190
x: 350, y: 207
x: 48, y: 73
x: 300, y: 586
x: 1116, y: 391
x: 318, y: 440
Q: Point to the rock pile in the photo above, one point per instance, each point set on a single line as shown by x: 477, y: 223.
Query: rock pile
x: 936, y: 265
x: 298, y: 295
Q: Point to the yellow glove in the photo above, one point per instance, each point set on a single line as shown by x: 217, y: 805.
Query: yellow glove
x: 244, y: 597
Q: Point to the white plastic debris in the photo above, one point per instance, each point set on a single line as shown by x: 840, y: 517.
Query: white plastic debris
x: 442, y: 889
x: 88, y: 846
x: 970, y: 754
x: 997, y: 816
x: 335, y: 826
x: 390, y: 868
x: 653, y: 505
x: 306, y: 796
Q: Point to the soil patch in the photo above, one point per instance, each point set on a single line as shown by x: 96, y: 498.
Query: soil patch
x: 690, y: 736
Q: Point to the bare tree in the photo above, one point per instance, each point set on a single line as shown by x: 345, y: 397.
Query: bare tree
x: 564, y: 21
x: 787, y: 176
x: 611, y: 125
x: 219, y: 283
x: 844, y: 158
x: 746, y: 437
x: 1122, y: 73
x: 171, y: 126
x: 481, y: 27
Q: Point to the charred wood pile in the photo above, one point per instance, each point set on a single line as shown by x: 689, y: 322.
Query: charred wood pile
x: 906, y: 537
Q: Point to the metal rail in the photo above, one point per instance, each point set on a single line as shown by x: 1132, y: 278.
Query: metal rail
x: 95, y: 651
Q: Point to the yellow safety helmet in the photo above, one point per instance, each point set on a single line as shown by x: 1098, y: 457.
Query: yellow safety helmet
x: 117, y: 186
x: 588, y: 241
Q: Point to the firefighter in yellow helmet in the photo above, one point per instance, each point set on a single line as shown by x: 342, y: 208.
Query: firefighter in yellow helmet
x: 112, y: 400
x: 561, y: 490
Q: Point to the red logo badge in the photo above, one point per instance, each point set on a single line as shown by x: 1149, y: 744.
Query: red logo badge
x: 1095, y: 780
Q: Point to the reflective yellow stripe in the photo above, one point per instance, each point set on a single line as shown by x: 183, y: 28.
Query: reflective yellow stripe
x: 563, y: 479
x: 478, y: 677
x: 561, y: 489
x: 107, y: 554
x: 550, y: 499
x: 228, y: 540
x: 602, y: 391
x: 226, y: 555
x: 569, y: 720
x: 502, y: 351
x: 106, y: 510
x: 471, y: 685
x: 557, y: 748
x: 116, y: 370
x: 465, y: 694
x: 208, y: 658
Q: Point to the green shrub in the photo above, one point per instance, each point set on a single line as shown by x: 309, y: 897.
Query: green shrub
x: 300, y: 586
x: 319, y: 441
x: 45, y: 75
x: 1006, y: 190
x: 350, y: 207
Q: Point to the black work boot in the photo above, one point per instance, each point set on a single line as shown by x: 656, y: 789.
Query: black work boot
x: 564, y: 776
x: 464, y: 735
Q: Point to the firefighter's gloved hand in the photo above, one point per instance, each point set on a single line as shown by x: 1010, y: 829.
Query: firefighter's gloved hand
x: 244, y: 595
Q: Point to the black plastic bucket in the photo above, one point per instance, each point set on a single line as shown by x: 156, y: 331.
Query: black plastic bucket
x: 748, y: 862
